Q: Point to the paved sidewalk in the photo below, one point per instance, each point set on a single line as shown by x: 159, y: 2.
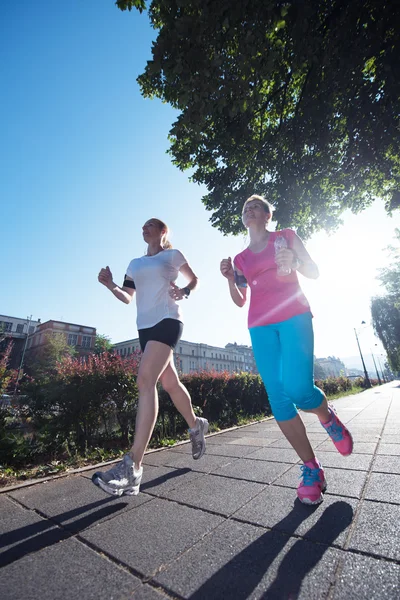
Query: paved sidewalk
x: 225, y: 527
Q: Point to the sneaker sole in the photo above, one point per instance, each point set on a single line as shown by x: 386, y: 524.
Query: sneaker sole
x: 112, y: 491
x: 205, y: 426
x: 314, y: 502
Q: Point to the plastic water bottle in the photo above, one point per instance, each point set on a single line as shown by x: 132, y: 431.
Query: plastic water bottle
x: 280, y: 243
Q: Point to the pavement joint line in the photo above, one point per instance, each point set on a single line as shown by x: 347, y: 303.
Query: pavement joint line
x: 359, y: 506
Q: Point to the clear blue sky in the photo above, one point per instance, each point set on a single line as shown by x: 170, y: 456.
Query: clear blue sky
x: 84, y: 164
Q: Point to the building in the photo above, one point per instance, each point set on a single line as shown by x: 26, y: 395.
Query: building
x: 17, y: 330
x: 81, y: 337
x: 191, y: 357
x: 332, y: 366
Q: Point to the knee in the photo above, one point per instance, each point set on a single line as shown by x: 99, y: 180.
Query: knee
x: 170, y: 383
x: 145, y: 381
x: 307, y: 398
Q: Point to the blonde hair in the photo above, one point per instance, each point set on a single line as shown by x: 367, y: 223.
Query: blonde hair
x: 266, y: 205
x: 165, y: 243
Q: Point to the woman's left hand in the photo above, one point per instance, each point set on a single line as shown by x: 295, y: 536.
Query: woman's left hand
x: 176, y: 293
x: 285, y: 258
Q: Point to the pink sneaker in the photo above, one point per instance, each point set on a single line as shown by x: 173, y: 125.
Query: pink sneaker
x: 312, y: 484
x: 339, y: 433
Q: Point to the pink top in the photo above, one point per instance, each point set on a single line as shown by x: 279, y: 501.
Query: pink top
x: 273, y: 298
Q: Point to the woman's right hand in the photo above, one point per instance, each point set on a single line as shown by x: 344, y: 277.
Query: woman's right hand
x: 105, y: 277
x: 226, y: 268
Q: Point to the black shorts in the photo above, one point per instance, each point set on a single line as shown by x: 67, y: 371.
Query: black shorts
x: 167, y: 331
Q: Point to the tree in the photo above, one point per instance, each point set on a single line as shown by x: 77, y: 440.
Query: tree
x: 385, y: 310
x: 297, y: 100
x: 319, y: 372
x: 102, y: 344
x: 54, y: 351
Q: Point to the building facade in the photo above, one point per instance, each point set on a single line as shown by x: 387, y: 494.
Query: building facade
x: 191, y: 357
x: 81, y: 337
x: 17, y: 329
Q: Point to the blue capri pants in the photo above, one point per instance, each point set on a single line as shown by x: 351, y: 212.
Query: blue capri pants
x: 284, y: 354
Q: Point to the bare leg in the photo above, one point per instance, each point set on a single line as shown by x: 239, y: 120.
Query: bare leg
x: 179, y: 394
x: 296, y: 434
x: 322, y: 411
x: 154, y: 360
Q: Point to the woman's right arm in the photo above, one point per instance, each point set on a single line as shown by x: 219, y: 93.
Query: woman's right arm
x: 124, y: 293
x: 237, y: 285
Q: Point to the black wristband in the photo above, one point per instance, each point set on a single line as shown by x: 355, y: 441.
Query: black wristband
x: 187, y: 291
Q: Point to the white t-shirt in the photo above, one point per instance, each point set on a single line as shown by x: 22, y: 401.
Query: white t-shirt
x: 152, y: 276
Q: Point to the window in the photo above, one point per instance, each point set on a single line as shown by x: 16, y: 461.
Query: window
x: 192, y: 352
x: 72, y: 339
x: 20, y: 328
x: 180, y: 349
x: 86, y: 341
x: 31, y: 329
x: 212, y: 354
x: 204, y: 352
x: 5, y: 325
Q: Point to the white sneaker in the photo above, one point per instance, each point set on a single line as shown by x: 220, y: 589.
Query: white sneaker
x: 197, y: 438
x: 120, y: 479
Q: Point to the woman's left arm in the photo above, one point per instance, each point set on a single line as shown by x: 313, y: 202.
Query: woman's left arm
x: 302, y: 261
x: 179, y: 293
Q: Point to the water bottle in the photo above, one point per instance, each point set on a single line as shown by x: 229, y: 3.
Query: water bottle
x: 280, y: 243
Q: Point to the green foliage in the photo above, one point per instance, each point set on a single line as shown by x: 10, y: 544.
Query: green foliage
x: 54, y: 351
x: 102, y: 344
x: 7, y: 376
x: 385, y: 310
x: 294, y: 100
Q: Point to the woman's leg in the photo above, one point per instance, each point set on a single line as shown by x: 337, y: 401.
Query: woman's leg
x: 198, y: 426
x: 297, y: 339
x: 156, y: 357
x: 179, y: 394
x: 267, y: 348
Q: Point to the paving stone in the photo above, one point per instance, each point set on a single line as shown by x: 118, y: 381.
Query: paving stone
x: 250, y: 441
x: 377, y: 530
x: 236, y: 451
x: 387, y: 464
x: 357, y: 462
x: 279, y: 508
x: 276, y: 455
x: 341, y: 482
x: 217, y: 494
x: 359, y: 447
x: 384, y: 487
x: 152, y: 535
x: 365, y: 577
x: 146, y: 592
x: 178, y: 460
x: 242, y: 562
x: 75, y: 502
x: 389, y: 449
x: 26, y: 532
x: 253, y: 470
x: 390, y: 438
x: 66, y: 571
x: 8, y: 508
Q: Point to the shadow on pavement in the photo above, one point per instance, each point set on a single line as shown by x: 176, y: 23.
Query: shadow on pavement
x: 164, y: 478
x: 45, y: 533
x: 239, y: 578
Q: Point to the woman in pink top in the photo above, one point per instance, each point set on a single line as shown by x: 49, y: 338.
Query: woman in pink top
x: 280, y: 325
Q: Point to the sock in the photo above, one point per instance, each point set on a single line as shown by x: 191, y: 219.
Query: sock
x: 330, y: 418
x: 195, y: 427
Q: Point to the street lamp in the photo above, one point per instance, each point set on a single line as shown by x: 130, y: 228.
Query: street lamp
x: 367, y: 380
x: 28, y: 322
x: 376, y: 369
x: 380, y: 366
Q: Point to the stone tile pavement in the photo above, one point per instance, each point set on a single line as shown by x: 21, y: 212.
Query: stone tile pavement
x: 228, y: 526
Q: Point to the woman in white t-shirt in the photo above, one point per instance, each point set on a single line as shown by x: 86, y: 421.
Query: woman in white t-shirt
x: 159, y: 323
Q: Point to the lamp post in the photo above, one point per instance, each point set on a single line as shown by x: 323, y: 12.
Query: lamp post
x: 367, y: 380
x: 380, y: 366
x: 376, y: 369
x: 29, y: 319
